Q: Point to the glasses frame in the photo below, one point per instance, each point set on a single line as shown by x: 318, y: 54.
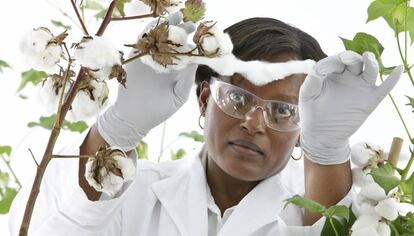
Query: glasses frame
x: 261, y: 103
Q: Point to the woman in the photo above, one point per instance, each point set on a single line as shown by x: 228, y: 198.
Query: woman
x: 234, y: 186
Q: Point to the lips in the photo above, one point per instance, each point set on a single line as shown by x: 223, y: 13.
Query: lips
x: 248, y: 145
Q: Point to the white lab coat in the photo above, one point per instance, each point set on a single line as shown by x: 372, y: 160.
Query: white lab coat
x: 164, y: 199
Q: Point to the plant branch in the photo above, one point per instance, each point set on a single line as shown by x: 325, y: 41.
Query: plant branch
x: 407, y: 167
x: 11, y: 170
x: 47, y: 156
x: 134, y: 58
x: 107, y: 19
x: 399, y: 113
x: 153, y: 14
x: 85, y: 31
x: 406, y: 66
x: 34, y: 159
x: 71, y: 156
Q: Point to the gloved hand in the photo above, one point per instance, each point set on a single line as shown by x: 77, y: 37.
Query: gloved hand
x: 335, y: 100
x: 148, y: 100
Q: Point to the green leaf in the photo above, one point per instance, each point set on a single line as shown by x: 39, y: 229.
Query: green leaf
x: 5, y: 150
x: 3, y: 64
x: 142, y: 150
x: 410, y: 102
x: 61, y: 25
x: 7, y: 200
x: 48, y: 122
x: 302, y: 202
x: 384, y: 9
x: 178, y: 154
x: 363, y: 42
x: 351, y: 220
x: 339, y: 225
x: 386, y: 70
x: 32, y: 76
x: 4, y: 179
x: 384, y: 177
x: 407, y: 187
x: 339, y: 210
x: 404, y: 225
x: 193, y: 135
x: 92, y: 5
x: 78, y: 126
x: 44, y: 122
x: 120, y: 4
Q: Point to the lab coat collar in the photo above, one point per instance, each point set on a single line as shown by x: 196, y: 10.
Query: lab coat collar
x: 184, y: 197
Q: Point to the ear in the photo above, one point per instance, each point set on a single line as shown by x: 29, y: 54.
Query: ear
x: 203, y: 97
x: 298, y: 142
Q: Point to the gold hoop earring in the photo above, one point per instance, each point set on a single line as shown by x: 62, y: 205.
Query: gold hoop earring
x: 199, y: 120
x: 297, y: 159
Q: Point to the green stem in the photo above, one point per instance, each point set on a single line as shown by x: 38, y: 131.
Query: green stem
x: 399, y: 113
x: 11, y: 171
x: 406, y: 66
x: 333, y: 226
x: 164, y: 128
x: 407, y: 167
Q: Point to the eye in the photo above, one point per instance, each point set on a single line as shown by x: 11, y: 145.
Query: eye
x: 238, y: 98
x: 284, y: 111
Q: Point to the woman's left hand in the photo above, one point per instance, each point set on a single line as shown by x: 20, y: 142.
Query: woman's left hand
x: 335, y: 100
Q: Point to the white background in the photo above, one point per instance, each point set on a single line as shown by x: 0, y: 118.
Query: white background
x: 325, y: 20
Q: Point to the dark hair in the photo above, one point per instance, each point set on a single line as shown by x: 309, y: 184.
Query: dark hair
x: 261, y: 38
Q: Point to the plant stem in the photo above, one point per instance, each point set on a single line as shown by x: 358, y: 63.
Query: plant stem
x: 164, y: 128
x: 47, y: 156
x: 107, y: 19
x: 72, y: 156
x: 407, y: 167
x: 85, y: 31
x: 11, y: 170
x: 406, y: 66
x: 134, y: 17
x: 399, y: 113
x: 134, y: 58
x: 333, y: 226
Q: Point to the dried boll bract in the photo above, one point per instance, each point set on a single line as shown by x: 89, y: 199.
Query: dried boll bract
x: 162, y: 43
x: 109, y: 169
x: 41, y: 49
x: 162, y: 6
x: 98, y: 55
x: 211, y: 41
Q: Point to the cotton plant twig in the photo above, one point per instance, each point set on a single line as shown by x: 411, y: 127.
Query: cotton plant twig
x: 34, y: 159
x: 7, y: 162
x: 85, y: 31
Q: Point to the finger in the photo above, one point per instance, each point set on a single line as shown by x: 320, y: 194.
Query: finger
x: 353, y: 61
x: 175, y: 18
x: 328, y: 65
x: 390, y: 82
x: 189, y: 27
x: 311, y: 87
x: 371, y: 70
x: 184, y: 83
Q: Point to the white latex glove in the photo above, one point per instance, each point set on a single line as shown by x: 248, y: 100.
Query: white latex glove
x: 148, y: 100
x: 335, y: 100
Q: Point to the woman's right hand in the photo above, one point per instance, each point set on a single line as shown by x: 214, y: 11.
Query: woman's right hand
x: 148, y: 100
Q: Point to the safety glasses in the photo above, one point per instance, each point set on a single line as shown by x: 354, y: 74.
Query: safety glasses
x: 239, y: 103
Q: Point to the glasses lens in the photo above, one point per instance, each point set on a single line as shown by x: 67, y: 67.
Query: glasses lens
x: 237, y: 103
x: 282, y: 116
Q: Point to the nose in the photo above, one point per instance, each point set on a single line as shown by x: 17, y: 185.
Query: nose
x: 254, y: 121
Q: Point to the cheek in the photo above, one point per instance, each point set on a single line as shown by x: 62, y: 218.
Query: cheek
x: 281, y: 149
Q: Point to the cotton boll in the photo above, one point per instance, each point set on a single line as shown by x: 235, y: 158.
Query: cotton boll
x: 97, y: 53
x: 177, y: 35
x: 46, y: 95
x: 83, y: 108
x: 361, y: 177
x: 362, y: 153
x: 226, y: 46
x: 181, y: 64
x: 371, y: 231
x: 111, y: 184
x: 365, y: 221
x: 388, y: 208
x: 373, y: 191
x: 37, y: 51
x: 127, y: 167
x: 383, y: 229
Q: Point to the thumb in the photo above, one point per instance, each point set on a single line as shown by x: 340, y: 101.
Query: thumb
x: 184, y: 83
x: 390, y: 82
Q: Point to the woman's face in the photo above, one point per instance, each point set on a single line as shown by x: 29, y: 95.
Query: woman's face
x: 224, y: 134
